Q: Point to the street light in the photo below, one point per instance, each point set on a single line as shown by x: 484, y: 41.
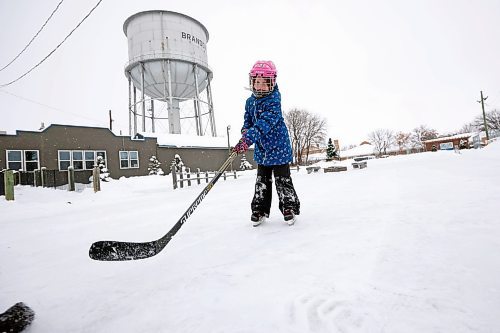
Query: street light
x: 228, y: 144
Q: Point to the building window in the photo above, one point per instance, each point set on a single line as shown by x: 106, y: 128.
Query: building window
x: 15, y: 159
x: 129, y: 159
x: 89, y: 159
x: 79, y: 159
x: 31, y: 160
x: 25, y: 160
x: 64, y: 159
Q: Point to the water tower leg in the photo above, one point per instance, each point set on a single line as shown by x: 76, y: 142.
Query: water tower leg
x: 143, y: 100
x: 197, y: 102
x: 211, y: 109
x: 135, y: 110
x: 129, y: 105
x: 152, y: 115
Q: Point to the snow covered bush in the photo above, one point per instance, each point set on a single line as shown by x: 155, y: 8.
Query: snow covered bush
x: 245, y: 165
x: 154, y: 166
x: 179, y: 165
x: 104, y: 172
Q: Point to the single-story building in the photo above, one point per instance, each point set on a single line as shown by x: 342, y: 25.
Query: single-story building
x: 449, y: 142
x: 57, y: 147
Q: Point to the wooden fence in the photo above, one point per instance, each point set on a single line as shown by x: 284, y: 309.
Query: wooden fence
x: 179, y: 178
x: 46, y: 178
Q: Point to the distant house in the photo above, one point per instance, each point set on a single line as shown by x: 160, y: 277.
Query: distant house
x: 448, y: 142
x: 363, y: 150
x: 57, y: 147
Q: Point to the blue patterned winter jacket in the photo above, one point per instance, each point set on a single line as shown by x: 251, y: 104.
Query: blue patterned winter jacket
x: 265, y: 126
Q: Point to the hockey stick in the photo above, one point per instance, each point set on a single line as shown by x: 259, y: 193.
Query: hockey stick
x: 120, y: 251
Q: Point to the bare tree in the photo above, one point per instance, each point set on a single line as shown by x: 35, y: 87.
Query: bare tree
x: 295, y: 121
x: 421, y: 134
x: 381, y: 139
x: 314, y: 133
x: 305, y: 130
x: 403, y: 140
x: 468, y: 128
x: 492, y: 120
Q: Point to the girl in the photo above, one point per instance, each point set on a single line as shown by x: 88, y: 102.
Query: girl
x: 265, y: 127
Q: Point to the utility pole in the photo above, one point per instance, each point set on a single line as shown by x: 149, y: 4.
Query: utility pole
x: 110, y: 122
x: 484, y: 115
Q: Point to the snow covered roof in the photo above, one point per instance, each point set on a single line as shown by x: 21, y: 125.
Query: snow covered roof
x: 452, y: 137
x: 185, y: 141
x: 364, y: 149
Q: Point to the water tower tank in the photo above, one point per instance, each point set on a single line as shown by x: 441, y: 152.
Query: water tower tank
x: 168, y: 60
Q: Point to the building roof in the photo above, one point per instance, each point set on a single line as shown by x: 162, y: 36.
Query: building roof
x: 362, y: 150
x: 452, y: 137
x: 187, y: 141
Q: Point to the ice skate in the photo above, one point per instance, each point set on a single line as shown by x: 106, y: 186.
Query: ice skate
x: 257, y: 218
x: 289, y: 216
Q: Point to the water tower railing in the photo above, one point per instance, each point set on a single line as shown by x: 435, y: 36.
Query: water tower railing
x: 168, y: 56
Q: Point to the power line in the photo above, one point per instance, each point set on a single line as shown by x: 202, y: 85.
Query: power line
x: 54, y: 50
x: 32, y: 39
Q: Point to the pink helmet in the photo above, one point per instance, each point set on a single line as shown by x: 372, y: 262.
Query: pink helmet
x: 265, y: 69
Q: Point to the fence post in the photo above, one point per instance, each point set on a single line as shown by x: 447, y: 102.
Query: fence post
x: 71, y: 178
x: 181, y: 176
x: 198, y: 175
x: 36, y: 173
x: 189, y: 176
x: 234, y: 174
x: 43, y: 176
x: 174, y: 175
x: 96, y: 179
x: 206, y: 176
x: 224, y: 175
x: 8, y: 179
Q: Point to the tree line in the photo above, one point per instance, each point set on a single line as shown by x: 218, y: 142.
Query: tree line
x: 382, y: 139
x: 308, y: 130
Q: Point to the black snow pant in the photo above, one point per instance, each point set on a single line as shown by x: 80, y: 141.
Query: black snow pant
x: 284, y: 187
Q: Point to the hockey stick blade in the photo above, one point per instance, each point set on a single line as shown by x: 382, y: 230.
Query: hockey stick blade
x: 121, y: 251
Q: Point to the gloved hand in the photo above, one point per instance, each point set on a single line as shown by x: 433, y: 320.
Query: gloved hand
x: 242, y: 145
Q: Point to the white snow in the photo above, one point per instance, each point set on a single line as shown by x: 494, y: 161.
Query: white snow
x: 361, y: 150
x: 409, y: 244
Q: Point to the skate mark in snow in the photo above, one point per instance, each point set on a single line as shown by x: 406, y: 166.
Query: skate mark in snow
x: 326, y: 312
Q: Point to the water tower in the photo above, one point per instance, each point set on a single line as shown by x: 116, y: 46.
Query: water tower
x: 168, y: 64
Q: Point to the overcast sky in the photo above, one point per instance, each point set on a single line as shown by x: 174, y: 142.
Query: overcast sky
x: 362, y: 65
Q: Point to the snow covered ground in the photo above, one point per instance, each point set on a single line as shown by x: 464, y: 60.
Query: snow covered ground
x: 409, y: 244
